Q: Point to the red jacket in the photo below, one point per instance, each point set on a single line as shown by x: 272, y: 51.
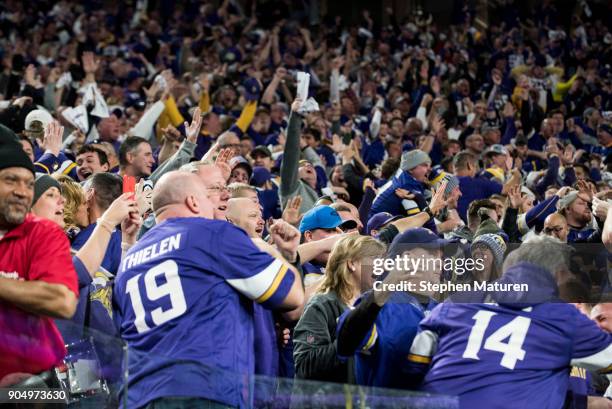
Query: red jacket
x: 36, y: 250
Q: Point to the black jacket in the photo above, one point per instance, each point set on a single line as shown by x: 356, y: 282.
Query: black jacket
x: 314, y: 342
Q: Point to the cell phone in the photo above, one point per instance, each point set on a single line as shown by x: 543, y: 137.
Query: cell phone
x: 129, y: 184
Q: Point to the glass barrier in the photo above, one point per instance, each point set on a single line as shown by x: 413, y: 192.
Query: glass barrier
x: 94, y: 375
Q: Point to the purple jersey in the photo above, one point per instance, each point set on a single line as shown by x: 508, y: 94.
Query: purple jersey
x: 182, y: 302
x: 507, y: 356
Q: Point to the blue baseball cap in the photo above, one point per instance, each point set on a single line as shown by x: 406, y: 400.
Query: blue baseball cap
x: 419, y: 237
x: 251, y: 89
x: 260, y: 176
x: 379, y: 220
x: 324, y: 217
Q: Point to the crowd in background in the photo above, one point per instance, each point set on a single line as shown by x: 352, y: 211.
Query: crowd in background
x: 411, y: 138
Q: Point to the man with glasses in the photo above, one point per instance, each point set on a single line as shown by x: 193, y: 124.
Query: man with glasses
x: 556, y: 226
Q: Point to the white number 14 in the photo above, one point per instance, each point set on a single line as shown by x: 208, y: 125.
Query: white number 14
x: 513, y: 349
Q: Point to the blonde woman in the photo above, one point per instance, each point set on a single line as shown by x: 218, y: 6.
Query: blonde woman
x: 347, y: 275
x: 75, y: 206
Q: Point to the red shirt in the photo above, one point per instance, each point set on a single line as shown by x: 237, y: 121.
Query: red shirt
x: 36, y: 250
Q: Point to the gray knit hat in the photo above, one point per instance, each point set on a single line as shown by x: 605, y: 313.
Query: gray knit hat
x: 43, y: 183
x: 414, y: 158
x: 567, y: 200
x: 495, y: 243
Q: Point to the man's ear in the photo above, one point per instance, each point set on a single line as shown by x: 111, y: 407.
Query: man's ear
x: 192, y: 204
x: 307, y: 235
x: 89, y: 195
x: 106, y: 167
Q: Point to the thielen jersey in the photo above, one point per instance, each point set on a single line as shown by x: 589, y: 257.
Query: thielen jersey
x: 183, y: 303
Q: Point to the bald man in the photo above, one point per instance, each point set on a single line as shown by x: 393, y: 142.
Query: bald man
x: 215, y: 185
x: 246, y: 214
x: 190, y: 278
x: 555, y: 225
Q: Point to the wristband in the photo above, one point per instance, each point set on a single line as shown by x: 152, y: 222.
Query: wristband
x: 106, y: 225
x: 429, y: 212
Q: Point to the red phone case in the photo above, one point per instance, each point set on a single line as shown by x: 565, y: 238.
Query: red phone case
x: 129, y: 184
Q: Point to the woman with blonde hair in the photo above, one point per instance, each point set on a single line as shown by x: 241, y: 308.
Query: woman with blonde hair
x: 75, y: 205
x: 348, y: 273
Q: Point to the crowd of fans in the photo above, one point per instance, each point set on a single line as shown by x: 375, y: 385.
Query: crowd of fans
x: 413, y: 138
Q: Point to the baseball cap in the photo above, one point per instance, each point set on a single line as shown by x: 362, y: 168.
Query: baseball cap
x: 379, y: 220
x: 260, y: 176
x: 251, y: 89
x: 324, y: 217
x: 419, y: 237
x: 262, y: 150
x: 37, y: 115
x: 496, y: 149
x: 240, y: 161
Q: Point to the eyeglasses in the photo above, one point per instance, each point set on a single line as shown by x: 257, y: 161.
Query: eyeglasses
x: 217, y: 189
x: 555, y: 229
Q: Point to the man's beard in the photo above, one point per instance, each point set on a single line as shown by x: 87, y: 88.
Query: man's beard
x: 12, y: 214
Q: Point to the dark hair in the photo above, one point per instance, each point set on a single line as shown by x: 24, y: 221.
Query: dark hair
x: 23, y: 137
x: 446, y: 163
x: 314, y: 132
x: 449, y: 143
x: 92, y: 149
x: 476, y: 205
x: 107, y: 187
x: 130, y: 144
x: 389, y: 167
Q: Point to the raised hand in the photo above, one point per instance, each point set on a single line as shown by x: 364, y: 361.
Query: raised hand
x: 515, y: 196
x: 600, y: 208
x: 296, y: 105
x: 286, y: 238
x: 222, y: 162
x: 291, y: 214
x: 585, y: 188
x: 143, y: 197
x: 52, y: 140
x: 337, y: 145
x: 130, y: 227
x: 427, y: 98
x: 193, y: 130
x: 437, y: 200
x: 152, y: 91
x: 437, y: 124
x: 90, y: 63
x: 120, y: 209
x: 171, y: 134
x: 368, y: 183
